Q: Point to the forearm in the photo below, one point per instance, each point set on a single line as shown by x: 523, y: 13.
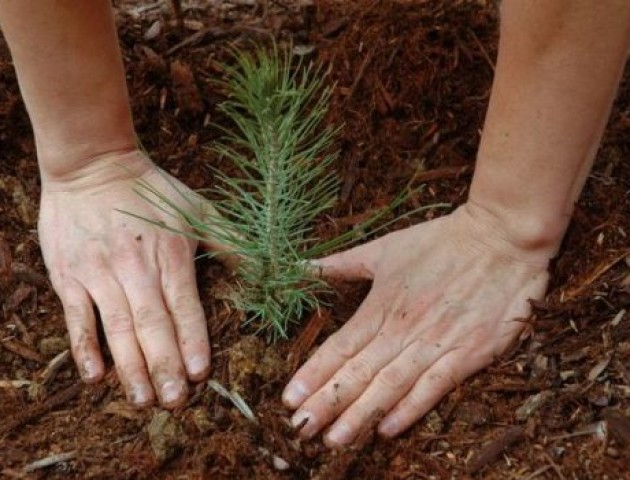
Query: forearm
x: 72, y: 80
x: 558, y: 68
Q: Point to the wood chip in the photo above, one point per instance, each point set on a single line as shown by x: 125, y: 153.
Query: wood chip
x: 618, y: 318
x: 491, y: 452
x: 50, y: 461
x: 124, y: 410
x: 307, y: 337
x: 618, y: 426
x: 5, y: 262
x: 53, y: 367
x: 532, y: 404
x: 598, y: 369
x: 23, y: 350
x: 186, y: 90
x: 28, y: 274
x: 19, y: 296
x: 35, y: 411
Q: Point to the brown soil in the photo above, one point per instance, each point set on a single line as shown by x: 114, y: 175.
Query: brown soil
x: 412, y: 83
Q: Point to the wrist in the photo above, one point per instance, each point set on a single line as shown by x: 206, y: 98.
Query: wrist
x: 98, y: 169
x: 84, y: 136
x: 526, y: 235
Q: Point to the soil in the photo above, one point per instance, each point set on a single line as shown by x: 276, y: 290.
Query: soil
x: 412, y: 80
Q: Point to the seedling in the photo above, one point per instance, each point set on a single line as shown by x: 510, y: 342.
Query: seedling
x: 264, y: 216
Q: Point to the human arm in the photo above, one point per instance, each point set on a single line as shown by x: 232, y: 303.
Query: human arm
x: 140, y: 278
x: 447, y: 294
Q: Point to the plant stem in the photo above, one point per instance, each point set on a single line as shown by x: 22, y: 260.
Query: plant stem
x: 272, y: 202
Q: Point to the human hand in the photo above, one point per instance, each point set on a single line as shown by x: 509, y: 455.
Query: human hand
x: 140, y: 277
x: 446, y: 298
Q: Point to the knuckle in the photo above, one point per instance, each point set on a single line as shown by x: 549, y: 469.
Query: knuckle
x: 359, y: 369
x: 118, y: 322
x: 129, y: 255
x: 186, y: 305
x: 342, y: 345
x: 74, y: 314
x: 415, y: 400
x: 175, y: 250
x: 149, y: 319
x: 393, y: 378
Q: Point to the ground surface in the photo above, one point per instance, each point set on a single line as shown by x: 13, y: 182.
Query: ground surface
x: 413, y: 80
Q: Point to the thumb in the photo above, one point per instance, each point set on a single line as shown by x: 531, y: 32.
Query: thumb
x: 358, y: 263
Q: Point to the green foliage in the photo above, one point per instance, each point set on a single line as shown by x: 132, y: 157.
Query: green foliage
x: 265, y: 214
x: 284, y: 157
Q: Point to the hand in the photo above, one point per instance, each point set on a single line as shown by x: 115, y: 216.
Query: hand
x: 447, y: 297
x: 140, y: 277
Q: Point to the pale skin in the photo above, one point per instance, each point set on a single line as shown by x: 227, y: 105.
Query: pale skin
x: 447, y: 295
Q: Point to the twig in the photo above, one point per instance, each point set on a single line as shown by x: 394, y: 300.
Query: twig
x: 35, y: 411
x: 17, y: 347
x: 540, y: 471
x: 442, y: 174
x: 235, y: 398
x: 14, y: 383
x: 595, y: 273
x: 553, y: 465
x: 50, y: 461
x: 357, y: 79
x: 484, y: 52
x: 307, y: 338
x: 53, y: 367
x: 215, y: 33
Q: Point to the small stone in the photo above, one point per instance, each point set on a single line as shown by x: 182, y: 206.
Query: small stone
x: 51, y: 346
x: 166, y: 435
x: 280, y: 463
x: 612, y: 452
x: 153, y: 31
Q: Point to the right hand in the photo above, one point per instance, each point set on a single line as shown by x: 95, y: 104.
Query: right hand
x: 140, y: 277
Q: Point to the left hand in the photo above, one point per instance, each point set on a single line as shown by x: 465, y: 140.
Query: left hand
x: 446, y: 299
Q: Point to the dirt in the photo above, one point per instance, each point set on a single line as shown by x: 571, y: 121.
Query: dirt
x: 412, y: 83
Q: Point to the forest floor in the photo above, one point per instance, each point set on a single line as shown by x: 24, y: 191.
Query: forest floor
x: 412, y: 81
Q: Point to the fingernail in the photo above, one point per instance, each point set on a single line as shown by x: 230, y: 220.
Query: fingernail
x: 339, y: 434
x: 89, y: 370
x: 389, y: 427
x: 197, y: 365
x: 171, y: 391
x: 141, y: 394
x: 305, y: 422
x: 295, y: 393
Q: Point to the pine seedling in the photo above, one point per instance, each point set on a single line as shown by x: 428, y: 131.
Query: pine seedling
x: 264, y: 216
x: 284, y: 156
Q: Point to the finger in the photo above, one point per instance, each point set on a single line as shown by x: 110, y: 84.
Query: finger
x: 156, y: 335
x: 388, y: 387
x: 121, y: 338
x: 431, y: 387
x: 347, y: 384
x: 81, y: 324
x: 358, y: 263
x: 181, y: 295
x: 335, y: 352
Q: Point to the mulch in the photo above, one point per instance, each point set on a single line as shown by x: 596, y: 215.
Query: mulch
x: 411, y: 83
